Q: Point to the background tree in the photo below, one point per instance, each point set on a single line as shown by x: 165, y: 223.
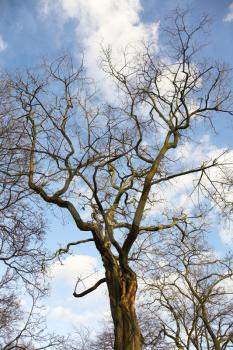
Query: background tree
x: 22, y: 254
x: 189, y: 288
x: 110, y: 161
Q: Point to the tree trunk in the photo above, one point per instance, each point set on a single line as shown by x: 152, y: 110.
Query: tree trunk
x: 122, y: 288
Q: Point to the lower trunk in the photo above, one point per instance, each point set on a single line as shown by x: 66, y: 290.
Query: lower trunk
x: 122, y: 289
x: 126, y: 330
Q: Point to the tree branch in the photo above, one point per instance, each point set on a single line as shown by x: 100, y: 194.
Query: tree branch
x: 89, y: 290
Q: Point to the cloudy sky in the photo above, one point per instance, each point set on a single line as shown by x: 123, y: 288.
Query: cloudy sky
x: 30, y: 30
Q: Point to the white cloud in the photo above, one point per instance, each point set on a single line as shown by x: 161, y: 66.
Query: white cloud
x: 178, y: 193
x: 114, y: 22
x: 44, y: 8
x: 229, y: 16
x: 69, y: 316
x: 194, y: 154
x: 3, y: 44
x: 75, y: 266
x: 105, y: 22
x: 227, y: 284
x: 226, y: 233
x: 63, y: 310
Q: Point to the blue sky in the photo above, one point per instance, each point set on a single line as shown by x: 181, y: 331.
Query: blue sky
x: 30, y: 34
x: 32, y: 29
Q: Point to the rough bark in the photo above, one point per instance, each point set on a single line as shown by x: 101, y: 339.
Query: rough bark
x: 122, y: 288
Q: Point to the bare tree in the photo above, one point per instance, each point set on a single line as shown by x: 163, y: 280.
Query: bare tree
x: 26, y: 329
x: 105, y: 339
x: 189, y: 289
x: 22, y: 255
x: 22, y: 227
x: 108, y: 161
